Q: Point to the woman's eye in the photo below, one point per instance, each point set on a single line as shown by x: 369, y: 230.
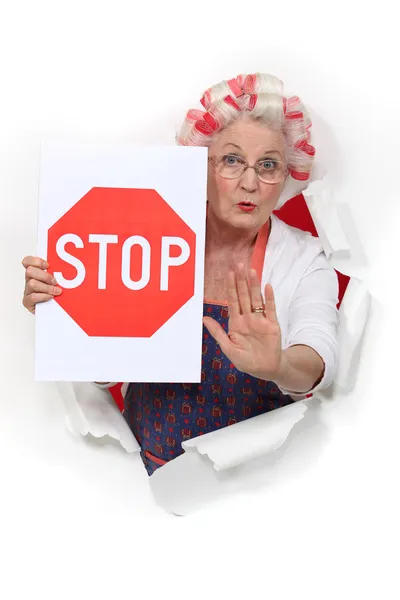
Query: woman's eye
x: 230, y: 160
x: 268, y: 165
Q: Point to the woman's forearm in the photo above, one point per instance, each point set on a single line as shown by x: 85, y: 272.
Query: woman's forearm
x: 302, y: 368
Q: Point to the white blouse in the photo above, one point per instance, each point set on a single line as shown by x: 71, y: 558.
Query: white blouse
x: 306, y: 291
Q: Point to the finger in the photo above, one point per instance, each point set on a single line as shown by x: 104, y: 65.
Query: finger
x: 33, y: 285
x: 243, y: 289
x: 30, y: 301
x: 233, y: 299
x: 270, y: 308
x: 28, y: 305
x: 40, y: 275
x: 35, y: 261
x: 220, y: 336
x: 255, y: 291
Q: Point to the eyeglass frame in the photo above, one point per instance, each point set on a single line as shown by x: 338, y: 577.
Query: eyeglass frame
x: 246, y: 165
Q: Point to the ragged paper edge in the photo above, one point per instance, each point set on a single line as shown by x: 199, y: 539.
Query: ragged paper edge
x: 247, y: 440
x: 232, y: 446
x: 354, y: 312
x: 324, y: 212
x: 240, y: 443
x: 208, y: 470
x: 92, y: 410
x: 355, y: 306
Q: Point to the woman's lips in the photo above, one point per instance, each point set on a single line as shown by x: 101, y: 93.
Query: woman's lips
x: 246, y: 206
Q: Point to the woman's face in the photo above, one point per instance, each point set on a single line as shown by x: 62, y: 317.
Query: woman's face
x: 229, y: 199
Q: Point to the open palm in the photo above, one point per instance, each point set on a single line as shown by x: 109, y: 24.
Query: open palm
x: 253, y: 341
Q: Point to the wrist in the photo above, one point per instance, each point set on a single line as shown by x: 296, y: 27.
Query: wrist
x: 281, y: 376
x: 276, y: 374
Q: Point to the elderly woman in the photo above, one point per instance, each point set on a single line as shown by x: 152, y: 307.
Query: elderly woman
x: 270, y: 308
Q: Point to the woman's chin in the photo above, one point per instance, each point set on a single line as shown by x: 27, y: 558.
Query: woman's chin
x: 245, y: 220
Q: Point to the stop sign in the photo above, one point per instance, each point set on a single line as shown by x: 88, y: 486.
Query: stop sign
x: 125, y: 259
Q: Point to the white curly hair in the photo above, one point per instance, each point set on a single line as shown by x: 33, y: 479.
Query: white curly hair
x: 260, y: 97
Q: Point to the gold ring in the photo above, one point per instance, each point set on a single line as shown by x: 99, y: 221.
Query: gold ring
x: 258, y: 309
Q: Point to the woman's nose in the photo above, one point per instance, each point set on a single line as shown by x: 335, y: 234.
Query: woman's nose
x: 249, y: 180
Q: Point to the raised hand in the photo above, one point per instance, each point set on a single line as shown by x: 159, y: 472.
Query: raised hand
x: 253, y: 341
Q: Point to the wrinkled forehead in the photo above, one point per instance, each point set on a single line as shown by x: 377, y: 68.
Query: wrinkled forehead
x: 248, y: 138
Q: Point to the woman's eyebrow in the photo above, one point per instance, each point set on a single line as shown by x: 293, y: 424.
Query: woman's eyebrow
x: 232, y: 144
x: 270, y: 151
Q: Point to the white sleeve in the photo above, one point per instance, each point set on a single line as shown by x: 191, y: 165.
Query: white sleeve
x: 313, y: 318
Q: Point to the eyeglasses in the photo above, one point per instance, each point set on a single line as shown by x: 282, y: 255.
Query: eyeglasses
x: 268, y: 170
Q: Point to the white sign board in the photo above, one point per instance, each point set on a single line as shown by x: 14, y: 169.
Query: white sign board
x: 123, y: 230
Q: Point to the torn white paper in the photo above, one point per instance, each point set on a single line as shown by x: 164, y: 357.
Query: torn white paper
x: 355, y: 306
x: 353, y: 312
x: 205, y: 472
x: 249, y: 439
x: 323, y: 210
x: 91, y: 409
x: 187, y: 483
x: 294, y: 187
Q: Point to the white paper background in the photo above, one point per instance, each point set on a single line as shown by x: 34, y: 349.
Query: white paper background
x: 78, y: 520
x: 66, y: 175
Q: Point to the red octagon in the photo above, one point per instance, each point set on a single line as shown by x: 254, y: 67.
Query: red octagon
x: 110, y: 308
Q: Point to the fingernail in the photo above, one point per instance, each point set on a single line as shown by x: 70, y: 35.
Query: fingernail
x: 57, y: 290
x: 54, y: 282
x: 45, y: 264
